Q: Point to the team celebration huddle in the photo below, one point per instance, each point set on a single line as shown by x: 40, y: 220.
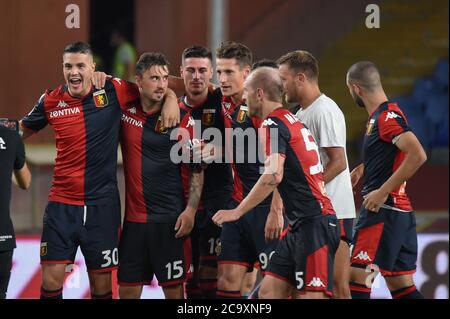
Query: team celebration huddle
x: 235, y: 189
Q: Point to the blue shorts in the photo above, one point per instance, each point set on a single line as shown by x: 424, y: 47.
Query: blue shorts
x: 243, y: 243
x: 386, y: 240
x: 95, y: 229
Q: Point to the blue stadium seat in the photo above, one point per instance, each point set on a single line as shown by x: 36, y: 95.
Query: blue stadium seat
x: 440, y: 76
x: 421, y: 130
x: 408, y: 106
x: 436, y: 108
x: 423, y: 89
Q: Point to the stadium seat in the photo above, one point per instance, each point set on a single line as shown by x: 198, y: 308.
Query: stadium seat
x: 408, y: 106
x: 423, y: 89
x: 436, y: 108
x: 440, y: 76
x: 421, y: 130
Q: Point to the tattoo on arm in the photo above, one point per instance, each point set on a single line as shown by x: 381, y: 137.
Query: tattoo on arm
x: 195, y: 189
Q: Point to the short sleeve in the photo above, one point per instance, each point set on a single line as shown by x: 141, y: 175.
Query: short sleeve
x: 126, y: 92
x: 36, y: 120
x: 19, y: 161
x: 276, y: 135
x: 332, y: 132
x: 391, y: 124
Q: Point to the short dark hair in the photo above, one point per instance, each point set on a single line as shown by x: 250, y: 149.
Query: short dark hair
x: 234, y: 50
x: 149, y: 59
x: 301, y: 61
x: 79, y: 47
x: 196, y: 51
x: 265, y: 62
x: 365, y: 74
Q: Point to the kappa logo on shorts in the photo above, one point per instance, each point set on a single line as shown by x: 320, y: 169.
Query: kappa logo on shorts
x: 43, y: 249
x: 100, y: 98
x: 316, y: 282
x: 363, y: 255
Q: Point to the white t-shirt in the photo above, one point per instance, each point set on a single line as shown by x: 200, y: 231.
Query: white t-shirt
x: 326, y: 122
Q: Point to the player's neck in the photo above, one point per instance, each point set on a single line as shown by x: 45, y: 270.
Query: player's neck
x: 194, y: 100
x: 149, y: 106
x: 237, y: 98
x: 309, y: 96
x: 268, y: 108
x: 374, y: 101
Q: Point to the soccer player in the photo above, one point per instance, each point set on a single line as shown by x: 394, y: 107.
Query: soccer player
x: 299, y: 72
x: 204, y: 106
x: 83, y: 208
x: 12, y: 160
x: 253, y: 238
x: 304, y: 257
x: 385, y: 235
x: 157, y: 218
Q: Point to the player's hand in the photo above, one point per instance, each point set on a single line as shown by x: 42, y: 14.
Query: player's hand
x: 356, y: 174
x: 170, y: 114
x: 274, y: 226
x: 374, y: 200
x: 99, y: 79
x: 207, y: 152
x: 185, y: 223
x: 225, y: 216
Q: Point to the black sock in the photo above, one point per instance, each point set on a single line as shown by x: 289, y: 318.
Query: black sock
x: 359, y: 291
x: 51, y: 294
x: 107, y: 295
x: 410, y: 292
x: 223, y: 294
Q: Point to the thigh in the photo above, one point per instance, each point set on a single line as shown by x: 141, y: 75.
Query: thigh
x: 346, y: 226
x: 60, y: 233
x: 170, y: 257
x: 100, y: 237
x: 135, y: 268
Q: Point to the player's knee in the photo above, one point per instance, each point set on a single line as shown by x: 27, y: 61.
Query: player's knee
x: 341, y: 290
x: 228, y: 282
x: 129, y: 292
x: 265, y: 292
x: 100, y: 283
x: 52, y: 280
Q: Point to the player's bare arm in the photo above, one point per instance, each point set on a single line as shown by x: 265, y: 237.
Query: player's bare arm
x: 22, y: 177
x: 337, y: 163
x: 356, y: 174
x: 266, y: 184
x: 275, y: 219
x: 415, y: 156
x: 185, y: 221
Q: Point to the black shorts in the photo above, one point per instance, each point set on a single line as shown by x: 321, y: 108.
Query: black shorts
x: 346, y: 230
x: 386, y: 240
x: 95, y: 229
x: 209, y: 234
x: 305, y: 257
x: 242, y: 242
x: 148, y: 249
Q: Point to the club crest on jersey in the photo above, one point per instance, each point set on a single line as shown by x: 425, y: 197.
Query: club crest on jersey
x: 100, y: 98
x: 208, y: 117
x: 43, y: 249
x: 159, y: 128
x: 242, y: 115
x: 369, y: 127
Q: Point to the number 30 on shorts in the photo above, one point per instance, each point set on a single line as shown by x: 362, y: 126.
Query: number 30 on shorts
x: 110, y: 259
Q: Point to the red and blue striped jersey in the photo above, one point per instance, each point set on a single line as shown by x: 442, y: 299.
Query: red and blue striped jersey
x: 302, y: 188
x: 87, y: 135
x: 381, y: 157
